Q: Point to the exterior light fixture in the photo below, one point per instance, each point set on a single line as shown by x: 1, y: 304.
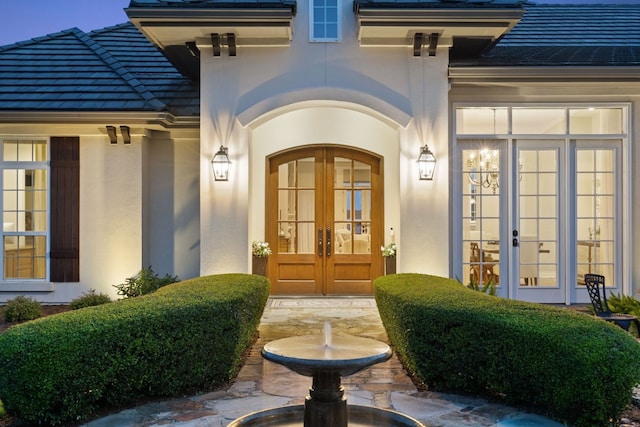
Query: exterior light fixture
x: 220, y: 164
x: 111, y: 131
x: 426, y: 164
x: 126, y: 134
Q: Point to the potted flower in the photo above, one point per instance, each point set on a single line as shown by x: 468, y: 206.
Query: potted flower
x: 260, y: 251
x: 389, y: 253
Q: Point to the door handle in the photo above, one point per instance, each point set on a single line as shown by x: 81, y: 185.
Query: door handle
x: 320, y: 246
x: 328, y: 241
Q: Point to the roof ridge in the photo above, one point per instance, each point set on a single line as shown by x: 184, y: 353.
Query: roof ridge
x: 99, y: 31
x: 70, y: 31
x: 122, y: 71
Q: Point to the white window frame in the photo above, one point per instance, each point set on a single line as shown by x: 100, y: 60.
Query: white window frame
x: 624, y: 262
x: 26, y: 284
x: 312, y: 22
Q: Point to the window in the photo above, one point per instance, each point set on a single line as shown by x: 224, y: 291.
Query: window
x: 40, y: 209
x: 24, y: 208
x: 324, y: 18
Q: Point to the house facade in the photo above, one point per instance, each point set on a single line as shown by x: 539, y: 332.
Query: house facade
x: 323, y: 109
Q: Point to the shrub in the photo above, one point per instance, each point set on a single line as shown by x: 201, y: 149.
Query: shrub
x: 21, y: 309
x: 89, y: 299
x: 185, y: 338
x: 564, y: 364
x: 624, y: 304
x: 145, y: 282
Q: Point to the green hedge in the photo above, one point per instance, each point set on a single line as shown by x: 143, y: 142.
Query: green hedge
x: 563, y: 364
x: 186, y: 337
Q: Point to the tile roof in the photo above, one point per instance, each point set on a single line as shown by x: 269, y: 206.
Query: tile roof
x: 210, y: 4
x: 143, y: 60
x: 118, y: 69
x: 597, y: 35
x: 442, y: 4
x: 75, y: 71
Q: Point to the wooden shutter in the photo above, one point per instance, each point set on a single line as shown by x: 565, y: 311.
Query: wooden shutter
x: 65, y: 209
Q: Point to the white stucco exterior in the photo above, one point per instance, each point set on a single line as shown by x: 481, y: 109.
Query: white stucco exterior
x: 154, y: 202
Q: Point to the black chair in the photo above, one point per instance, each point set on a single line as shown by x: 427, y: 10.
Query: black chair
x: 599, y: 301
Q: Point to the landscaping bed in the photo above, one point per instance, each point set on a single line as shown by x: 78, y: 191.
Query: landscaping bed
x: 185, y: 338
x: 563, y: 364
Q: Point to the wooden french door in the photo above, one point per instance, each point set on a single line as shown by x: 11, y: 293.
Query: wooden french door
x: 324, y: 221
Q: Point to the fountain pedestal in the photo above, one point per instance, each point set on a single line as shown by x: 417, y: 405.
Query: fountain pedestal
x: 325, y: 405
x: 326, y: 361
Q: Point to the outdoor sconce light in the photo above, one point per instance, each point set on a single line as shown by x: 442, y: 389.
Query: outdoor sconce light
x: 111, y: 131
x: 426, y: 164
x: 126, y: 134
x: 220, y: 164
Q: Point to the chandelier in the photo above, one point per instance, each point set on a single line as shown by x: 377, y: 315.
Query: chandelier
x: 484, y: 169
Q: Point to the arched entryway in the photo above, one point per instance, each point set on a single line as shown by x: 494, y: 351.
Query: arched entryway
x: 324, y: 220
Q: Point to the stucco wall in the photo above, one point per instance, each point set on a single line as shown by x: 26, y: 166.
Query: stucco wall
x: 406, y: 95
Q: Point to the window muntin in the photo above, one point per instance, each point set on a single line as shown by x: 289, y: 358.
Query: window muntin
x: 24, y: 208
x: 324, y: 20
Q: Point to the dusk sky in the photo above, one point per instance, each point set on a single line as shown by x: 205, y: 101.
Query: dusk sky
x: 25, y: 19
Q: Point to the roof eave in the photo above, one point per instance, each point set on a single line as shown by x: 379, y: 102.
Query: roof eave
x: 175, y: 26
x: 597, y: 74
x: 162, y: 119
x: 397, y: 26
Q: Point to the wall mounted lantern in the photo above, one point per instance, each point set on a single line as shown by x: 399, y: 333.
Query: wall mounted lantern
x: 220, y: 164
x: 426, y: 164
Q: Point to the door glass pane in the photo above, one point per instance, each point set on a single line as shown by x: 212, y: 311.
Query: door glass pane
x: 306, y: 173
x: 296, y: 206
x: 595, y: 212
x: 481, y: 214
x: 352, y: 206
x: 538, y: 212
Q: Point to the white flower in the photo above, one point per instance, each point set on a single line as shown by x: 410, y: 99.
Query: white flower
x: 260, y: 249
x: 389, y: 250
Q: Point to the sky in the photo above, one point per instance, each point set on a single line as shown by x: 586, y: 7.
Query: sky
x: 25, y: 19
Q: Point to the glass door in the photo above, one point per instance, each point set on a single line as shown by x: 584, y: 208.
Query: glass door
x: 510, y: 217
x: 537, y: 212
x: 324, y: 221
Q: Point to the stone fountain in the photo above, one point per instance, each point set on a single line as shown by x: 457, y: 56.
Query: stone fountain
x: 326, y: 358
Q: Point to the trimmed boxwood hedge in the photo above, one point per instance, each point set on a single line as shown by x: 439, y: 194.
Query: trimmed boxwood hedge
x: 186, y: 337
x: 566, y: 365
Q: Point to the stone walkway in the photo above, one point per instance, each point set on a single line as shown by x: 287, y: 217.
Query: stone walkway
x: 262, y: 384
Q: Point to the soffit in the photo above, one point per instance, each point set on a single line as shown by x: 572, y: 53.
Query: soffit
x: 397, y: 27
x: 251, y: 24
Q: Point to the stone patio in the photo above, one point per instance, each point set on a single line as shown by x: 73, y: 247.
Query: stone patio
x: 261, y: 384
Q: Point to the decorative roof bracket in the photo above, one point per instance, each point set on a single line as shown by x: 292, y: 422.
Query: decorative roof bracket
x: 433, y: 44
x: 419, y: 41
x: 220, y: 40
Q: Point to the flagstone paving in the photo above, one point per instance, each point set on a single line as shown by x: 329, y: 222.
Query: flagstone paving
x: 261, y: 384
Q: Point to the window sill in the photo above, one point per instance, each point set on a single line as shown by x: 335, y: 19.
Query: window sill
x: 17, y: 286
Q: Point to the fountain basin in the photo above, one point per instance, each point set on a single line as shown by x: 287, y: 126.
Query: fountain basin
x: 359, y: 416
x: 307, y: 355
